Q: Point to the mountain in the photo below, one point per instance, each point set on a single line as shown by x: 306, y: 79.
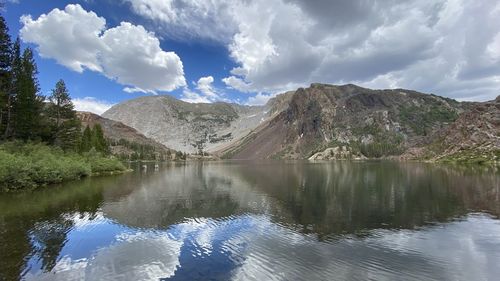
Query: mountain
x: 124, y: 139
x: 473, y: 137
x: 188, y: 127
x: 319, y: 122
x: 326, y: 121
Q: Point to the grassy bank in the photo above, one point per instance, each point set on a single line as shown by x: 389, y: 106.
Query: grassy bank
x: 24, y: 166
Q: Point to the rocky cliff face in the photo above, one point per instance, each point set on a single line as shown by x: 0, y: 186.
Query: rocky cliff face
x: 473, y: 137
x: 364, y: 122
x: 188, y: 127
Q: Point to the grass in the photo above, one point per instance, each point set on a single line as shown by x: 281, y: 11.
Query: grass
x: 30, y: 165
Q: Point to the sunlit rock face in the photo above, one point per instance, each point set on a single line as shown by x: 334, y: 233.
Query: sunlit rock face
x: 188, y: 127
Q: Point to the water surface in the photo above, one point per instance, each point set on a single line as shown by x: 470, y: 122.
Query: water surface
x: 259, y: 221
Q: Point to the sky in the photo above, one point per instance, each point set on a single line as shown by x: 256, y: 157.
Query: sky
x: 243, y: 51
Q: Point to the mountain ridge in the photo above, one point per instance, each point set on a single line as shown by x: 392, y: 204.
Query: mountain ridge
x: 186, y: 126
x: 318, y: 122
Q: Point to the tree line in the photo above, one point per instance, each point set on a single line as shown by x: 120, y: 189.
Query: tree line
x: 27, y: 115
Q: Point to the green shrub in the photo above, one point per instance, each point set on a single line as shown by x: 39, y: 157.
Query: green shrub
x: 103, y: 165
x: 31, y: 165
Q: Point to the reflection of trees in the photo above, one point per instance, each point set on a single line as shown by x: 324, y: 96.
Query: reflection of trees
x: 35, y: 224
x: 351, y: 197
x: 49, y: 238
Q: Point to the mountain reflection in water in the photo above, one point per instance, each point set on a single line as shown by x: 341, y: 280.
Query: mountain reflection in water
x: 259, y: 221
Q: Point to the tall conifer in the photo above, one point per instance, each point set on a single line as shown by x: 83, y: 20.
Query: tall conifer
x: 5, y: 70
x: 28, y: 104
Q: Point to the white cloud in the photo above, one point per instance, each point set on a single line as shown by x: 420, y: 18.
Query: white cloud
x: 448, y: 47
x: 205, y: 86
x: 237, y: 83
x: 92, y: 105
x: 76, y: 43
x: 180, y: 19
x: 205, y: 92
x: 127, y: 53
x: 193, y: 97
x: 260, y: 99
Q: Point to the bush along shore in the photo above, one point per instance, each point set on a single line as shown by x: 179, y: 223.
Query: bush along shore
x: 30, y: 165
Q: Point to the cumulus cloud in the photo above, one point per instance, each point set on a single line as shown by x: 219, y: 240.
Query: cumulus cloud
x: 128, y: 54
x: 91, y: 104
x: 260, y: 99
x: 205, y: 92
x: 447, y: 47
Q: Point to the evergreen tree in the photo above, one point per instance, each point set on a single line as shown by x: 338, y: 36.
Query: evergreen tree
x: 66, y: 126
x: 86, y: 141
x: 15, y: 73
x: 98, y: 141
x: 5, y: 70
x: 61, y: 108
x: 68, y: 135
x: 28, y: 104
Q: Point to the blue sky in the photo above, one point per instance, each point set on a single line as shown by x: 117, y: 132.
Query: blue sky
x: 248, y: 51
x: 200, y: 59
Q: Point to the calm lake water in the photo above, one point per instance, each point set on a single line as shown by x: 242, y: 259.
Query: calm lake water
x: 259, y: 221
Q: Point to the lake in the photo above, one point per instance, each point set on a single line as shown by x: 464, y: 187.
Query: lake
x: 268, y: 220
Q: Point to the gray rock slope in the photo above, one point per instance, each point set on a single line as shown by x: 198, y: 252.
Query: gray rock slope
x: 188, y: 127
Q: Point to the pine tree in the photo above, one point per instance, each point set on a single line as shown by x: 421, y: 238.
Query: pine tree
x: 15, y: 73
x: 68, y: 136
x: 28, y: 104
x: 98, y: 141
x: 5, y: 70
x: 86, y: 141
x: 66, y: 126
x: 61, y: 108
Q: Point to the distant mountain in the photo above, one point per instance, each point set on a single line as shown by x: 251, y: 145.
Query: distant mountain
x: 188, y: 127
x: 319, y: 122
x: 124, y: 139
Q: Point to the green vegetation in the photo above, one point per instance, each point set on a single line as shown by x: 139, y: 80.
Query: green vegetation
x: 93, y: 138
x: 473, y: 157
x: 41, y: 141
x: 378, y: 149
x: 181, y: 156
x: 421, y: 120
x: 140, y: 151
x: 29, y: 165
x: 383, y: 144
